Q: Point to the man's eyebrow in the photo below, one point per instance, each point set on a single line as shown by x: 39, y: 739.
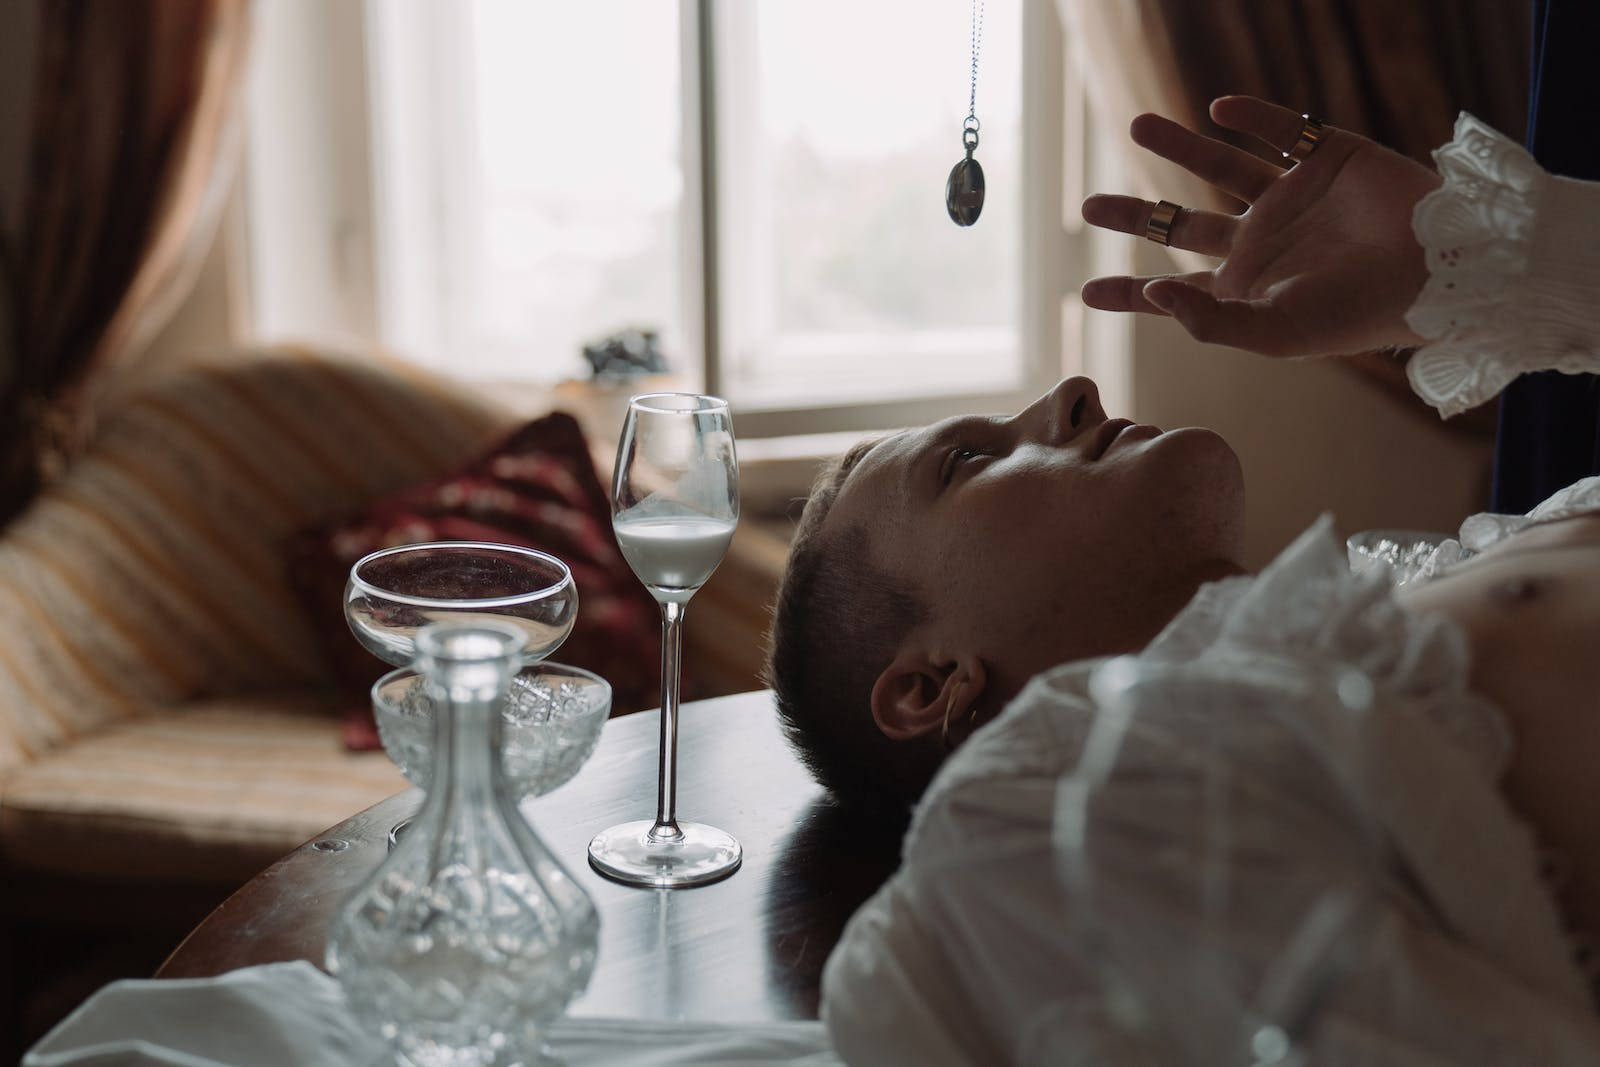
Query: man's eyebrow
x: 851, y: 460
x: 936, y: 442
x: 856, y: 453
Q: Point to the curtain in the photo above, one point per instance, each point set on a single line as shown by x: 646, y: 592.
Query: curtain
x: 123, y: 148
x: 1397, y: 71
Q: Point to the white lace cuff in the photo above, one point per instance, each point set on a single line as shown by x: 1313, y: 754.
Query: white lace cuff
x: 1513, y: 259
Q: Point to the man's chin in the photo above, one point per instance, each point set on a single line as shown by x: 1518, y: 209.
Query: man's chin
x: 1201, y: 441
x: 1200, y: 459
x: 1197, y: 434
x: 1188, y: 446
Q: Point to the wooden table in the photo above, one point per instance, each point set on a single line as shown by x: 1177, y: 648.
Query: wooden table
x: 749, y: 948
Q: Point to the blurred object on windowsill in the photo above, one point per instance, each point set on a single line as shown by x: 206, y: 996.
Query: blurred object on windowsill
x: 625, y: 355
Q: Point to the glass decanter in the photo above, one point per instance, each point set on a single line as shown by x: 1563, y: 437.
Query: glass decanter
x: 470, y: 936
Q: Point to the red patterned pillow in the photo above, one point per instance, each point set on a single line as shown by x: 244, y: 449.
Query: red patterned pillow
x: 537, y: 489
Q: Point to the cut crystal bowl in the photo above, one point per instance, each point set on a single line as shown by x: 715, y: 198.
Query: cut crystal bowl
x: 553, y: 716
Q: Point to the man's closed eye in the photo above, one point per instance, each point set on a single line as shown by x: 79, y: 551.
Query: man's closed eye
x: 954, y: 461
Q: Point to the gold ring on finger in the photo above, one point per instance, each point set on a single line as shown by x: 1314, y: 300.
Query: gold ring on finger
x: 1310, y: 137
x: 1159, y: 228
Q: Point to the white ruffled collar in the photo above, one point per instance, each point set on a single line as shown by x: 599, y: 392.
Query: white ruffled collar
x: 1424, y: 762
x: 1306, y: 603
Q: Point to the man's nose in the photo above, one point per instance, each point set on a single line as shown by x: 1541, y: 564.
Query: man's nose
x: 1064, y: 412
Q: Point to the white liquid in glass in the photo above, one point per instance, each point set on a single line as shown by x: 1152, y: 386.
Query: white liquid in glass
x: 676, y: 552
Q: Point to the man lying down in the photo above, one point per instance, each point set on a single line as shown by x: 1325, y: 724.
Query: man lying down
x: 1315, y: 818
x: 1310, y: 820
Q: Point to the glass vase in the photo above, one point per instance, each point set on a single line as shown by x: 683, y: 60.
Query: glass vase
x: 470, y: 936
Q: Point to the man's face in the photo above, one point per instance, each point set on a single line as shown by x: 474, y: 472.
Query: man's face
x: 1054, y: 534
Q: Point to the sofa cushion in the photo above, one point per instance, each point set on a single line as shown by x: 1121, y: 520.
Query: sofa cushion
x: 211, y: 792
x: 152, y: 572
x: 537, y: 489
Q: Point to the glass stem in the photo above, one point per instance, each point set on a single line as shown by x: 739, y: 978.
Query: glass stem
x: 666, y: 827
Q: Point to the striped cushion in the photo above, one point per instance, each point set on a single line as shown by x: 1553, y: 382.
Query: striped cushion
x: 153, y: 573
x: 211, y: 793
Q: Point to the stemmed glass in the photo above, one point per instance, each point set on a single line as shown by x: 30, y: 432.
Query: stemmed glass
x: 674, y: 506
x: 394, y: 592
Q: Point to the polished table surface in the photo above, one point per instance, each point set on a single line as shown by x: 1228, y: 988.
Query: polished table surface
x: 749, y: 948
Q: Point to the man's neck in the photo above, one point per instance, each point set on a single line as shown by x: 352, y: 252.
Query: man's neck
x: 1169, y: 601
x: 1158, y: 604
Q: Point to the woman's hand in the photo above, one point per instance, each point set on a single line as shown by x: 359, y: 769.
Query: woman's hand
x: 1321, y: 262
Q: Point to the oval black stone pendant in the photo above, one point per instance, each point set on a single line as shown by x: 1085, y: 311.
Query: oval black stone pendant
x: 963, y: 193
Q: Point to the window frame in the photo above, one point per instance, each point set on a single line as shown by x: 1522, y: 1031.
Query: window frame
x: 1052, y: 120
x: 357, y: 263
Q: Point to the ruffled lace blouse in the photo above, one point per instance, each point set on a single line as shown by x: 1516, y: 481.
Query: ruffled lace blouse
x: 1513, y: 257
x: 1277, y: 824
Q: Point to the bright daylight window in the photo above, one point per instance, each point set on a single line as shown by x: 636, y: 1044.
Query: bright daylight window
x: 842, y: 276
x: 760, y: 183
x: 536, y: 150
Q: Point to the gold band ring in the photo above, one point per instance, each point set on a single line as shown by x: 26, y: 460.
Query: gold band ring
x: 1159, y: 228
x: 1310, y: 137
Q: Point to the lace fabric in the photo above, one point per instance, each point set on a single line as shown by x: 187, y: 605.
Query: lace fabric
x: 1256, y: 659
x: 1130, y: 887
x: 1307, y: 607
x: 1511, y: 286
x: 1481, y: 531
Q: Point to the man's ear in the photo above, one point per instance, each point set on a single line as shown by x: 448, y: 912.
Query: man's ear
x: 918, y: 693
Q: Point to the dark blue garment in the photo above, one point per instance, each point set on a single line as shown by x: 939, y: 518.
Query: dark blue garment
x: 1549, y: 432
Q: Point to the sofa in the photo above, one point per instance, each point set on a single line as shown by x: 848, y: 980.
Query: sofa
x: 164, y: 708
x: 171, y: 720
x: 168, y: 722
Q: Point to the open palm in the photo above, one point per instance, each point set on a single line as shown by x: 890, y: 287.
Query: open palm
x: 1322, y: 261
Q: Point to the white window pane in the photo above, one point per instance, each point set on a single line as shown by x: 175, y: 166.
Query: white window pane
x: 555, y: 141
x: 577, y: 114
x: 842, y: 275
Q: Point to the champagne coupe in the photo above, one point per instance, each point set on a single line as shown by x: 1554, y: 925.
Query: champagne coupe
x: 674, y: 506
x: 393, y: 593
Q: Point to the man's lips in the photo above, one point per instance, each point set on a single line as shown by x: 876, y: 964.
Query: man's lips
x: 1106, y: 434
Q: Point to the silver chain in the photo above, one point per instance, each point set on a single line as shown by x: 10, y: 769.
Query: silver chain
x: 971, y: 125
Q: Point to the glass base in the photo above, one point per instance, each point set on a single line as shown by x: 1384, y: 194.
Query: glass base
x: 698, y: 854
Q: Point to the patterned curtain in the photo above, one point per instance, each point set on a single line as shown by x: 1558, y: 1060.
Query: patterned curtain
x: 1397, y: 71
x: 123, y: 146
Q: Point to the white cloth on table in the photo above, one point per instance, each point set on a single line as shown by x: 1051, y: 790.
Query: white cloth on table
x: 1304, y: 776
x: 1513, y: 257
x: 293, y: 1015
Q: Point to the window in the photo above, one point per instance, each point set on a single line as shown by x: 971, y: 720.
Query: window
x: 529, y: 179
x: 498, y: 182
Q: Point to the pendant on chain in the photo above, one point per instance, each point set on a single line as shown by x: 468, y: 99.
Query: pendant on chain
x: 963, y: 190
